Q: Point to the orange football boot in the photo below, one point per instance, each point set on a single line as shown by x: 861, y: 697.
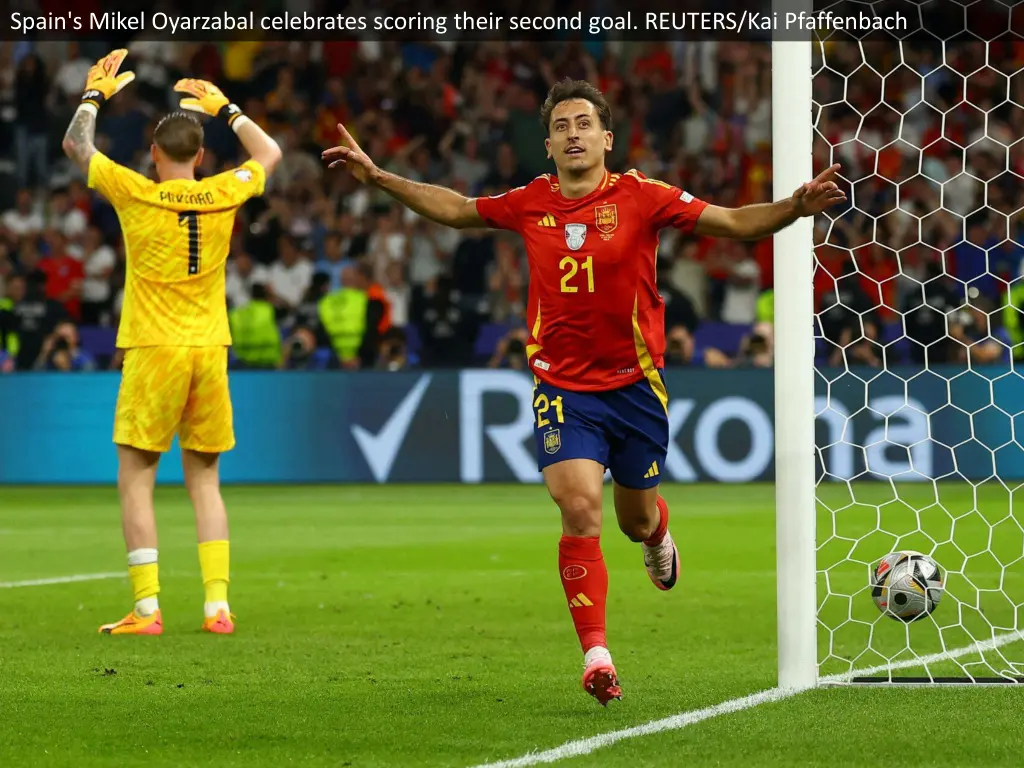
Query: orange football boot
x: 221, y: 624
x: 133, y: 624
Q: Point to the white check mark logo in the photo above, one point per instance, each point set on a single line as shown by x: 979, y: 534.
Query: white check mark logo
x: 381, y: 449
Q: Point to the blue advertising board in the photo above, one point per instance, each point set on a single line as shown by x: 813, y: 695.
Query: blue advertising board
x: 475, y: 426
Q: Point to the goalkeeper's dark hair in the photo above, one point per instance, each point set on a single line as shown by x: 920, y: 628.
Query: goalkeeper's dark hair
x: 180, y: 136
x: 568, y: 89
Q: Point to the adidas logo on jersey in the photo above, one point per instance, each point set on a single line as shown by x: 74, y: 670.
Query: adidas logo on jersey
x: 547, y: 221
x: 580, y: 601
x: 652, y: 472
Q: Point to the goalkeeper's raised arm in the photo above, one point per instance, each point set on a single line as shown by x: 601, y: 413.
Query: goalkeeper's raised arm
x: 101, y: 83
x: 208, y: 99
x: 445, y: 206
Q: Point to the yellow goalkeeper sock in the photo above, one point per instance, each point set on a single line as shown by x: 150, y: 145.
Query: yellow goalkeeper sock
x: 214, y: 561
x: 144, y: 574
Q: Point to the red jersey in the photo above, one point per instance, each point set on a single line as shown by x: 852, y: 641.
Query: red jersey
x: 597, y: 321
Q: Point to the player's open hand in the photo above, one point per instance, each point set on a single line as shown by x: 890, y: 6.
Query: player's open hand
x: 350, y: 155
x: 103, y: 80
x: 821, y: 193
x: 207, y: 98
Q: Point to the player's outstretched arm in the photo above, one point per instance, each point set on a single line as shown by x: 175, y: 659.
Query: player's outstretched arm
x: 101, y: 83
x: 208, y: 99
x: 752, y: 222
x: 445, y: 206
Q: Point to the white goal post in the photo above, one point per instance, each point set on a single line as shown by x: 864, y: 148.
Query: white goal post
x: 794, y: 371
x: 914, y: 439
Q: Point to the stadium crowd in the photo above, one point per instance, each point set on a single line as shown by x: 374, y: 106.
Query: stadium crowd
x: 466, y: 116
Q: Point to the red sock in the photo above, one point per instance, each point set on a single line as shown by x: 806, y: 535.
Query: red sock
x: 585, y: 581
x: 659, y: 532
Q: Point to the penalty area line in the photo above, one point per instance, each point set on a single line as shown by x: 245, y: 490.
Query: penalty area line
x: 61, y: 580
x: 581, y: 747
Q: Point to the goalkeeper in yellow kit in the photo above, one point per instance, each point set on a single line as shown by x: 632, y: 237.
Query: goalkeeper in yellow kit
x: 174, y: 325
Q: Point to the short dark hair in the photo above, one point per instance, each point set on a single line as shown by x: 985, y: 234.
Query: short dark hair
x: 180, y: 136
x: 566, y: 90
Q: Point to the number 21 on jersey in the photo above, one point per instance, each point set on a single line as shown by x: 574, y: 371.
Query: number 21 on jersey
x: 570, y: 266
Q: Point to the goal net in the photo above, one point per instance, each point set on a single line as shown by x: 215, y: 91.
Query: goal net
x: 919, y: 348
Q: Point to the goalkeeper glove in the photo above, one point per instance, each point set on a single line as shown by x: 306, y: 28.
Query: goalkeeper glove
x: 102, y: 82
x: 208, y: 99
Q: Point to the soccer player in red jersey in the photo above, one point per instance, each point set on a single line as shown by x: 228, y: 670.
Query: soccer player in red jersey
x: 597, y: 332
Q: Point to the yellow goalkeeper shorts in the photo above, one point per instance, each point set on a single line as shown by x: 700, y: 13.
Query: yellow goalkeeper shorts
x: 175, y: 390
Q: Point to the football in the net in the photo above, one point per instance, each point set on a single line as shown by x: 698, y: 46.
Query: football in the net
x: 906, y: 585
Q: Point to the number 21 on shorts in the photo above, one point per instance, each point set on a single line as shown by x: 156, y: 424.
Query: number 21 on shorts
x: 542, y: 404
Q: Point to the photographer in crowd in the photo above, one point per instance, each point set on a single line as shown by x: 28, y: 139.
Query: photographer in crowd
x: 61, y: 351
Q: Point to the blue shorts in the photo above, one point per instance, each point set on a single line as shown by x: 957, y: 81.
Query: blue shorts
x: 625, y: 430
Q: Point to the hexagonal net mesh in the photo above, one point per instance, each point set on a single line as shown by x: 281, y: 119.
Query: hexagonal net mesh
x: 919, y: 302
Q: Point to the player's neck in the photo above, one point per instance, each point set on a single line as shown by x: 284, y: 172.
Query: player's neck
x: 574, y: 186
x: 176, y: 172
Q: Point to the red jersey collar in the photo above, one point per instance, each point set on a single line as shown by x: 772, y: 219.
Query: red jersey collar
x: 556, y: 188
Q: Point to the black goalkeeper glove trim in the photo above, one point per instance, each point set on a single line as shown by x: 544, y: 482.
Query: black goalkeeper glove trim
x: 229, y: 113
x: 94, y: 97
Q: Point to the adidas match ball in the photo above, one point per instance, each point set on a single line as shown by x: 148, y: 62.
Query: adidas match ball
x: 906, y: 585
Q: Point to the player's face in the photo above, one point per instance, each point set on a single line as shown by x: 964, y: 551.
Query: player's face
x: 576, y: 141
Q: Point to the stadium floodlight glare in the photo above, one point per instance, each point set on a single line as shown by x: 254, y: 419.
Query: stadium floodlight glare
x: 928, y: 132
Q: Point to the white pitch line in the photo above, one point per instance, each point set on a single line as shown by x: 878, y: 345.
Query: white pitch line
x: 683, y: 719
x: 61, y: 580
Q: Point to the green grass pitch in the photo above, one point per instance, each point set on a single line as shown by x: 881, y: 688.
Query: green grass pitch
x: 425, y: 626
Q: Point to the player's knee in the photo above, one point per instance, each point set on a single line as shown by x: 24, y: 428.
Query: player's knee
x: 581, y: 514
x: 638, y: 530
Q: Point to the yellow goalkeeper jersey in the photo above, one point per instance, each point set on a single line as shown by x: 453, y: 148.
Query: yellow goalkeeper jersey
x: 177, y: 235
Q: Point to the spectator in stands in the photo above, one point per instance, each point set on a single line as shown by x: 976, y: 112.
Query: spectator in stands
x: 31, y: 125
x: 72, y: 73
x: 399, y: 294
x: 973, y: 340
x: 242, y: 274
x: 65, y: 218
x: 929, y: 315
x: 64, y: 274
x: 510, y: 353
x: 378, y: 315
x: 388, y: 243
x: 507, y: 173
x: 255, y: 337
x: 35, y: 315
x: 507, y: 280
x: 681, y: 350
x: 334, y: 262
x: 8, y: 333
x: 307, y: 331
x: 461, y: 149
x: 441, y: 323
x: 1013, y: 316
x: 23, y: 220
x: 345, y: 315
x: 61, y: 352
x: 739, y: 305
x: 679, y: 310
x: 6, y: 268
x: 394, y: 351
x: 756, y: 350
x: 290, y: 276
x: 98, y: 262
x: 847, y: 322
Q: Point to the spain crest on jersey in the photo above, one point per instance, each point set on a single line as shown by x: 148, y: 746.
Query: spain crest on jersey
x: 606, y: 217
x: 575, y: 234
x: 552, y: 441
